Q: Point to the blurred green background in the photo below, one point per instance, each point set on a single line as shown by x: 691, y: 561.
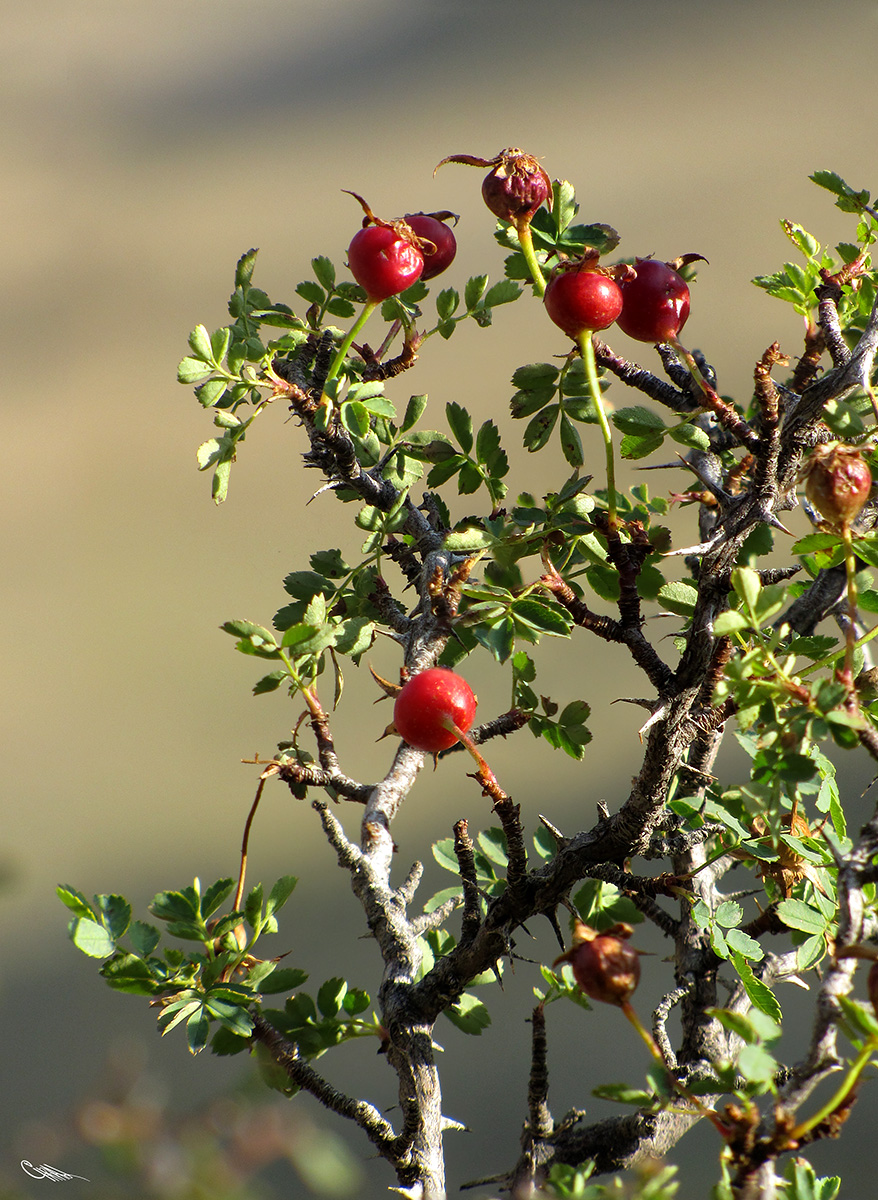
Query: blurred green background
x: 144, y: 148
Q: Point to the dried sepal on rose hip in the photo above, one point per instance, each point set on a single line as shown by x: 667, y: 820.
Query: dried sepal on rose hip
x: 837, y: 482
x: 604, y: 965
x: 514, y: 188
x: 386, y: 257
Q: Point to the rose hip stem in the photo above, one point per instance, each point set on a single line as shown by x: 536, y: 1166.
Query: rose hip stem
x: 850, y: 566
x: 486, y: 776
x: 678, y: 1087
x: 526, y: 241
x: 336, y: 365
x: 586, y: 347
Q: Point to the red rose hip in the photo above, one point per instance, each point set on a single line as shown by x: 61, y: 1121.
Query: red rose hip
x: 655, y: 302
x: 383, y: 261
x: 429, y: 704
x: 582, y: 300
x: 433, y: 229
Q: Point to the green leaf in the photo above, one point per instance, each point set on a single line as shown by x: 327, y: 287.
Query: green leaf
x: 130, y: 974
x: 796, y: 914
x: 355, y: 418
x: 311, y: 292
x: 443, y: 852
x: 247, y: 630
x: 741, y: 943
x: 621, y: 1093
x: 92, y: 939
x: 638, y: 420
x: 270, y: 682
x: 678, y: 598
x: 816, y: 541
x: 571, y: 442
x: 355, y: 1001
x: 199, y: 343
x: 413, y: 412
x: 474, y: 290
x: 690, y: 435
x: 115, y: 913
x: 280, y: 893
x: 564, y: 206
x: 330, y: 996
x: 752, y: 1027
x: 469, y: 1015
x: 803, y: 241
x: 211, y: 393
x: 810, y: 952
x: 848, y: 200
x: 634, y: 446
x: 192, y: 369
x: 232, y: 1016
x: 730, y: 621
x: 762, y: 996
x: 75, y: 901
x: 143, y: 937
x: 175, y: 906
x: 325, y: 271
x: 728, y: 914
x: 756, y: 1065
x: 244, y: 268
x: 493, y: 844
x: 503, y: 292
x: 461, y: 425
x: 535, y: 376
x: 197, y: 1029
x: 860, y: 1017
x: 747, y: 585
x: 544, y: 616
x: 487, y: 442
x: 539, y: 428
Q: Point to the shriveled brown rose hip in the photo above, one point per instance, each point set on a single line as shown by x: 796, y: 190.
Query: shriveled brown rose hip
x: 516, y: 185
x: 604, y: 966
x: 837, y: 482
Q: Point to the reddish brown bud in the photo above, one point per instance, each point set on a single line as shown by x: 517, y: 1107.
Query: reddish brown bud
x: 837, y: 482
x: 604, y: 966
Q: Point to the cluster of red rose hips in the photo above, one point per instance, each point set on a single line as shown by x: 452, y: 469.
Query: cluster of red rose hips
x: 386, y: 257
x: 649, y: 302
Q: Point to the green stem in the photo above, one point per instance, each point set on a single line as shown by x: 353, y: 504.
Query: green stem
x: 831, y: 658
x: 693, y: 368
x: 678, y: 1087
x: 525, y: 240
x: 586, y: 346
x: 848, y: 1083
x: 368, y: 308
x: 850, y: 565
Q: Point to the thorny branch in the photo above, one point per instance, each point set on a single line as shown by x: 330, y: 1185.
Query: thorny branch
x: 682, y: 739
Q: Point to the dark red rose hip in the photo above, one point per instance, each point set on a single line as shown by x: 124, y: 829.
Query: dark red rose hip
x: 655, y: 302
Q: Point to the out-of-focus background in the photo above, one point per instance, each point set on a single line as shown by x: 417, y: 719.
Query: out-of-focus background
x: 144, y: 148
